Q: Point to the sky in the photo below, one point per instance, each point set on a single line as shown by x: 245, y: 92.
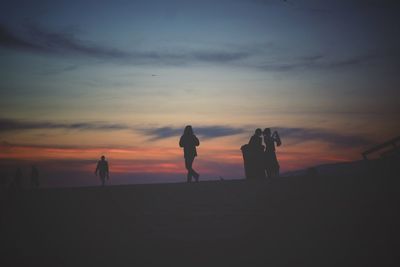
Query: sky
x: 81, y: 79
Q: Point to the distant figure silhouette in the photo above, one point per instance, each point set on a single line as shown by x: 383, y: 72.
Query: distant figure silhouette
x: 17, y: 180
x: 189, y: 142
x: 256, y: 151
x: 102, y: 170
x: 271, y: 162
x: 34, y: 177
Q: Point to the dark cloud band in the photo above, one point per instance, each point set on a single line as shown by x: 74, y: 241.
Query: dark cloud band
x: 300, y: 135
x: 40, y: 40
x: 7, y: 125
x: 20, y: 125
x: 202, y: 131
x: 297, y: 135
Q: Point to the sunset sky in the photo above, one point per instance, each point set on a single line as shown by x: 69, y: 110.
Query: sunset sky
x: 79, y: 79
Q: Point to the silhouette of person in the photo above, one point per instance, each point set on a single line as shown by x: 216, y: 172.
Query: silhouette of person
x: 17, y: 181
x: 256, y: 139
x: 102, y: 170
x: 256, y: 155
x: 189, y: 141
x: 271, y: 162
x: 34, y: 177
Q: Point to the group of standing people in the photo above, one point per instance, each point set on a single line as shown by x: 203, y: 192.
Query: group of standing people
x: 260, y: 161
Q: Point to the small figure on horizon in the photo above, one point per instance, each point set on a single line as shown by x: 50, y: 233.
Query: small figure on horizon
x: 189, y: 141
x: 16, y: 183
x: 271, y: 162
x: 34, y: 177
x: 102, y: 170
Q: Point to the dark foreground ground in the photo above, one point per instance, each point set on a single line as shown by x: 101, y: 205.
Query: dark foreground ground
x: 289, y: 222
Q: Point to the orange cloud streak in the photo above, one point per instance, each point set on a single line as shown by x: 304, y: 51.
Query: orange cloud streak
x: 170, y: 159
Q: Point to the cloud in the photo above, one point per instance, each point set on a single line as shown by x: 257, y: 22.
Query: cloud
x: 66, y: 42
x: 206, y: 132
x: 7, y: 125
x: 43, y: 41
x: 9, y: 40
x: 220, y: 56
x: 202, y: 131
x: 5, y: 145
x: 313, y: 134
x: 315, y: 62
x: 40, y: 40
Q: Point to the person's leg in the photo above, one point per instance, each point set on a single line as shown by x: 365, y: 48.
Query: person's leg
x: 190, y: 169
x: 276, y: 166
x: 188, y: 165
x: 103, y: 179
x: 277, y: 169
x: 267, y: 162
x: 194, y: 173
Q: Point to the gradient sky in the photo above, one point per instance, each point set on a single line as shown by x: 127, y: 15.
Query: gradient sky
x: 79, y: 79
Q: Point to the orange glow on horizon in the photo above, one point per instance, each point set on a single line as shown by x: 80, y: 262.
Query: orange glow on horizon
x: 165, y: 159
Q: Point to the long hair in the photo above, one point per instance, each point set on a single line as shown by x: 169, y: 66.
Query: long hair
x: 188, y: 130
x: 267, y: 131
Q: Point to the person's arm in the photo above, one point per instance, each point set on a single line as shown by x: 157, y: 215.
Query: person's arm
x: 196, y: 140
x: 278, y: 142
x: 277, y: 139
x: 181, y: 143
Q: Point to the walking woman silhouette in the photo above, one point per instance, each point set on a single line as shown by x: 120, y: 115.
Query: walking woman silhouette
x: 189, y: 142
